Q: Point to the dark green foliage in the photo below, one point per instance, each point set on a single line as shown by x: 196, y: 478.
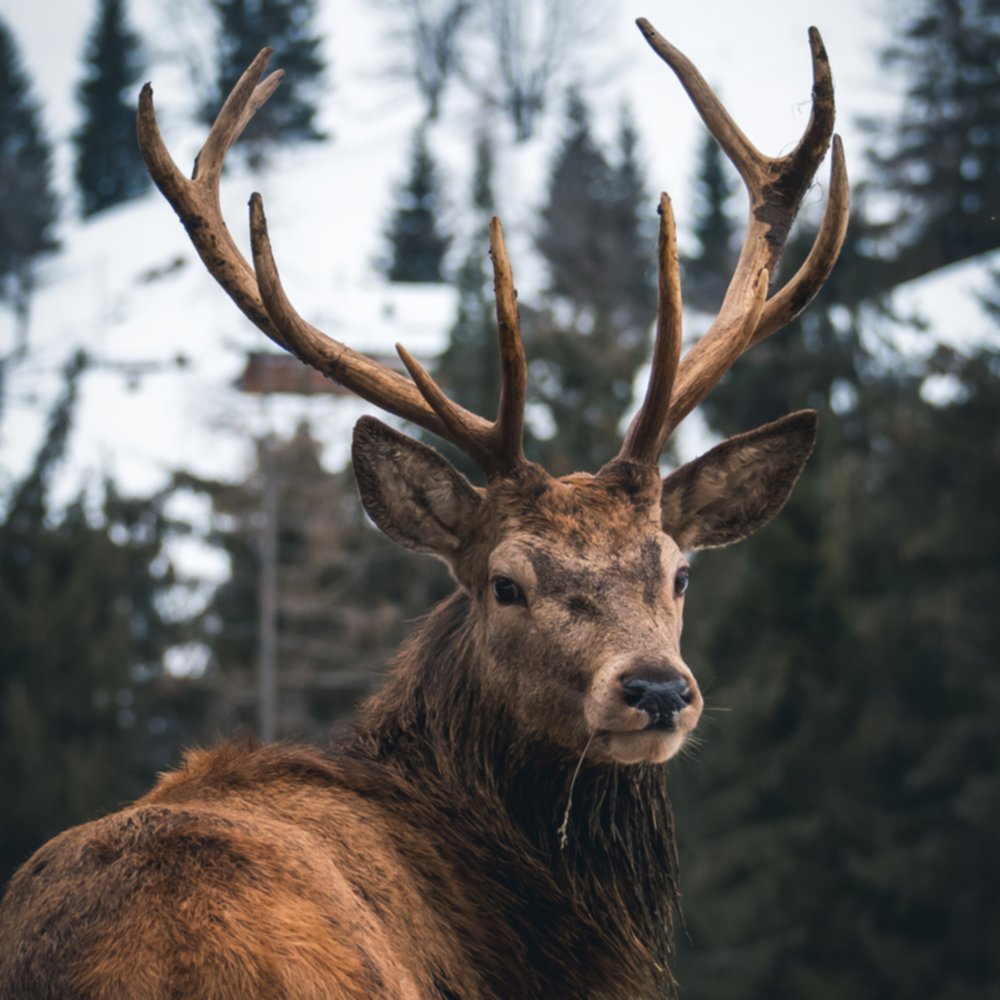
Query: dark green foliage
x: 344, y: 593
x: 28, y: 206
x: 586, y: 348
x: 838, y: 828
x: 245, y: 27
x: 417, y: 243
x: 938, y: 163
x: 86, y: 717
x: 706, y: 272
x: 109, y: 168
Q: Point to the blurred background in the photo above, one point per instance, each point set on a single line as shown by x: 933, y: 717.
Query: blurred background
x: 182, y: 554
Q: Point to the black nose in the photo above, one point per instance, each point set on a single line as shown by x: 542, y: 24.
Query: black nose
x: 660, y: 700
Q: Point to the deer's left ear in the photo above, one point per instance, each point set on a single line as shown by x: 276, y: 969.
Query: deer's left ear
x: 414, y: 494
x: 739, y: 485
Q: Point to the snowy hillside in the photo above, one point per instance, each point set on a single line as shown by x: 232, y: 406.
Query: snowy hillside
x: 168, y: 346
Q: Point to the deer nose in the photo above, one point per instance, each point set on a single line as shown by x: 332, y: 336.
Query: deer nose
x: 660, y: 700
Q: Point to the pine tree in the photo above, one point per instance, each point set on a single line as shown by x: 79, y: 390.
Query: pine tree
x: 28, y: 205
x: 580, y: 185
x: 837, y: 828
x: 109, y: 168
x: 586, y: 349
x: 86, y: 715
x: 706, y: 271
x: 417, y: 243
x: 938, y: 161
x: 245, y: 27
x: 633, y: 228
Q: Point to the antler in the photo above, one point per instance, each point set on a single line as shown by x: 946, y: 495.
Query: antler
x: 258, y: 292
x: 775, y: 186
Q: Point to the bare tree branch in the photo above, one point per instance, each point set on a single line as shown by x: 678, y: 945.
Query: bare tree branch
x: 530, y: 43
x: 430, y: 44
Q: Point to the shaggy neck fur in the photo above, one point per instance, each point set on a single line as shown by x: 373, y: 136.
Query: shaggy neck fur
x: 588, y: 914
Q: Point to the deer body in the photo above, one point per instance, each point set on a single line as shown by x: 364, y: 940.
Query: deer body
x: 435, y: 852
x: 498, y: 823
x: 364, y: 872
x: 420, y: 858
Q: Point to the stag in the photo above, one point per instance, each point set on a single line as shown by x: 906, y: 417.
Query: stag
x: 498, y: 823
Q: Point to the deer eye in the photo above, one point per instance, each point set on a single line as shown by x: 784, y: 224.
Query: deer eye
x: 681, y: 581
x: 506, y: 591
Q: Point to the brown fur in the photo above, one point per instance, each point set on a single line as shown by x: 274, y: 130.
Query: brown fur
x: 434, y: 852
x: 418, y: 859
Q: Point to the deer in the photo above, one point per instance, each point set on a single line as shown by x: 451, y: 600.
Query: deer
x: 497, y: 824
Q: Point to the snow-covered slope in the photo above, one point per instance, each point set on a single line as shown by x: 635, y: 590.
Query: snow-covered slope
x: 167, y: 345
x: 128, y: 289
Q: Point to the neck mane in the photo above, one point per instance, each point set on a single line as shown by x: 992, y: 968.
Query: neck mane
x: 592, y: 882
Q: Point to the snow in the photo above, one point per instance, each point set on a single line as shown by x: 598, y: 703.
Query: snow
x: 168, y: 346
x: 128, y: 289
x: 948, y: 304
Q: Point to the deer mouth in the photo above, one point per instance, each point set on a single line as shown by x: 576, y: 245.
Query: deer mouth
x: 651, y: 745
x: 643, y: 716
x: 651, y: 721
x: 662, y: 724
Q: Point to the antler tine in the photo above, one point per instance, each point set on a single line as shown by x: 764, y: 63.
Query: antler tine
x: 508, y: 430
x: 473, y: 440
x: 243, y: 102
x: 497, y: 447
x: 364, y: 377
x: 775, y: 187
x: 811, y: 148
x: 257, y: 290
x: 647, y: 433
x: 196, y: 201
x: 741, y: 151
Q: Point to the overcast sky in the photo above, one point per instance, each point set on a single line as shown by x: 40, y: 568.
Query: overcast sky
x: 755, y: 53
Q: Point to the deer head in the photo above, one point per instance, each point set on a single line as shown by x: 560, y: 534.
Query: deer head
x: 575, y: 585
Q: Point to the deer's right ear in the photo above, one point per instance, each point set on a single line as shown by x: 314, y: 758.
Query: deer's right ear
x: 739, y: 485
x: 415, y: 495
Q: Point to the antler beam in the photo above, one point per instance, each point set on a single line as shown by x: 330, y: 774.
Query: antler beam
x: 775, y: 187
